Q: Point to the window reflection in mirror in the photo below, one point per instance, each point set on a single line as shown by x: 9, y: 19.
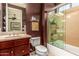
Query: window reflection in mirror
x: 13, y: 18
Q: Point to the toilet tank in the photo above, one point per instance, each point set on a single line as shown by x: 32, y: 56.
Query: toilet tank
x: 35, y: 41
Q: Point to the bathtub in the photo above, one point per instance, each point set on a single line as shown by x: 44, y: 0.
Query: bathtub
x: 54, y: 51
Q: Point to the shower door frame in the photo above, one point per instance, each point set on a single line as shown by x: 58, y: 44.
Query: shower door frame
x: 50, y: 10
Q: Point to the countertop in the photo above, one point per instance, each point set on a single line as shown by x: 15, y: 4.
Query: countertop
x: 6, y: 37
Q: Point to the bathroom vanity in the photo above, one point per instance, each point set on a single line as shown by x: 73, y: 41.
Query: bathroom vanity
x: 11, y: 43
x: 15, y: 46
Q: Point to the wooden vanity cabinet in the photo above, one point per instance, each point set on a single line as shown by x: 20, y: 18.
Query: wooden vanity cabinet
x: 18, y: 47
x: 21, y: 42
x: 7, y: 52
x: 6, y: 44
x: 21, y: 50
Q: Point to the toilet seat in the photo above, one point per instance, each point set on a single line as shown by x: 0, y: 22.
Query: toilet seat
x: 41, y: 48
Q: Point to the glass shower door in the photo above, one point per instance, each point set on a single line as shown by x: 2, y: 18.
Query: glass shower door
x: 56, y: 29
x: 63, y: 28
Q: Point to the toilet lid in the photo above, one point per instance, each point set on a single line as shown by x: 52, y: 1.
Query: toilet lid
x: 41, y: 48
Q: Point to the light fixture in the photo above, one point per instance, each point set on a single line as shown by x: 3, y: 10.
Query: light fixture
x: 33, y: 18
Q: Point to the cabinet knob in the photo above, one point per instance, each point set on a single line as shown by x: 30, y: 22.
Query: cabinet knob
x: 23, y: 51
x: 11, y: 51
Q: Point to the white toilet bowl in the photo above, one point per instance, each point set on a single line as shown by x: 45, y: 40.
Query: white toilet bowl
x: 40, y: 50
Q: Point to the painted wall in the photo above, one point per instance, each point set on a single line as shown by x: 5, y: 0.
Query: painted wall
x: 72, y: 26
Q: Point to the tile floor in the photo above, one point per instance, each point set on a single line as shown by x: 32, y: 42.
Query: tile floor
x: 33, y: 54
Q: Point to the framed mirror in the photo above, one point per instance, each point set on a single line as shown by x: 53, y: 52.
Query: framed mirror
x: 13, y: 18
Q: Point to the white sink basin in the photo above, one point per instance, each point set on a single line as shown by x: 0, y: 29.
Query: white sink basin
x: 12, y: 37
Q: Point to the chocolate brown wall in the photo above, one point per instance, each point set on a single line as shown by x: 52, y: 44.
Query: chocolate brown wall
x: 38, y: 9
x: 31, y: 10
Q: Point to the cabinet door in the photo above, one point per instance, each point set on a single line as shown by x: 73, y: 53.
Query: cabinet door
x: 21, y: 41
x: 21, y: 50
x: 6, y: 52
x: 6, y: 44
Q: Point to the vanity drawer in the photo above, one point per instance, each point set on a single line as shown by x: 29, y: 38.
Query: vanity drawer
x: 7, y: 52
x: 21, y: 50
x: 6, y: 44
x: 21, y: 42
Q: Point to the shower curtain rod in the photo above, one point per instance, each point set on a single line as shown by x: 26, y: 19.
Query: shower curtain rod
x: 51, y: 9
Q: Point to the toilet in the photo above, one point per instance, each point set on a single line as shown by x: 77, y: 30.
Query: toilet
x: 40, y: 50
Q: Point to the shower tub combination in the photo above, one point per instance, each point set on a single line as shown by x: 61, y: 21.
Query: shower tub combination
x: 63, y: 31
